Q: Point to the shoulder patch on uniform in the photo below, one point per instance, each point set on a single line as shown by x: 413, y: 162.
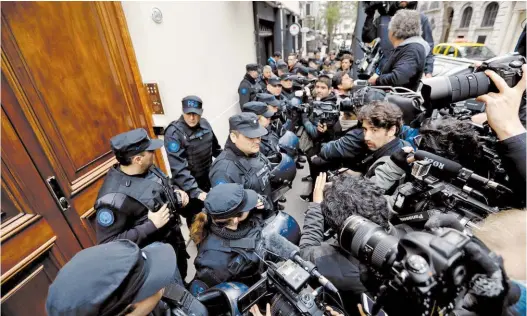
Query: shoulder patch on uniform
x: 173, y: 146
x: 243, y: 91
x: 218, y: 182
x: 105, y: 217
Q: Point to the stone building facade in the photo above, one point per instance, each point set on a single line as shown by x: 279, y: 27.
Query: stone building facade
x: 497, y: 24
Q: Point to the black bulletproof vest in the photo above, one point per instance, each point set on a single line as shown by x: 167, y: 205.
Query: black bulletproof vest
x: 148, y: 190
x: 198, y: 146
x: 231, y: 259
x: 269, y: 144
x: 256, y: 171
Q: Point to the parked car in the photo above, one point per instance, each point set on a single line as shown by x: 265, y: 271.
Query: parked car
x: 475, y: 51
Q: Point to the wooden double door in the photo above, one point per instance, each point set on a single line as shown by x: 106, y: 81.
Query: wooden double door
x: 69, y: 83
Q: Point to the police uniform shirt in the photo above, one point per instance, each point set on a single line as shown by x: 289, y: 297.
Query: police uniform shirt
x: 190, y: 152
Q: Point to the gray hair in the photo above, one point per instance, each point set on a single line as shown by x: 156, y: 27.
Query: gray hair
x: 405, y: 24
x: 267, y: 67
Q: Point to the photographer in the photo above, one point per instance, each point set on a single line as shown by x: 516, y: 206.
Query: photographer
x: 346, y: 61
x: 502, y: 112
x: 139, y: 211
x: 368, y: 150
x: 117, y: 278
x: 379, y: 28
x: 404, y: 67
x: 342, y: 85
x: 332, y: 205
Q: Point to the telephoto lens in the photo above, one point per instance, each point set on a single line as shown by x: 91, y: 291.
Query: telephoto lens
x: 439, y: 92
x: 368, y: 242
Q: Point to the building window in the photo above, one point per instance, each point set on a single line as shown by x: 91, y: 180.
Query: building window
x: 308, y: 9
x: 424, y: 6
x: 465, y: 19
x: 434, y: 5
x: 490, y: 14
x: 481, y: 39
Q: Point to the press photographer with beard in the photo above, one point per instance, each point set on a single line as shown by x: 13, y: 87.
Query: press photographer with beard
x: 378, y: 27
x: 405, y: 65
x: 367, y: 150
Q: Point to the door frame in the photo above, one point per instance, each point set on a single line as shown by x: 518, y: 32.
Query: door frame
x: 32, y: 132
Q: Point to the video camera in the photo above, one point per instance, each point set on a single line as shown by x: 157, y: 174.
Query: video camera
x: 464, y: 193
x: 440, y: 92
x: 287, y: 283
x: 372, y: 56
x: 421, y: 273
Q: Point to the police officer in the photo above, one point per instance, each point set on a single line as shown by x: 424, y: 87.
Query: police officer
x: 133, y: 200
x: 190, y: 144
x: 227, y: 235
x: 286, y: 80
x: 279, y: 123
x: 114, y: 279
x: 249, y: 87
x: 241, y: 162
x: 269, y: 144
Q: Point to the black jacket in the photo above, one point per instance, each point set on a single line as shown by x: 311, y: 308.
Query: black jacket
x: 338, y: 267
x: 350, y: 147
x: 247, y: 90
x: 405, y: 66
x: 372, y: 29
x: 512, y: 151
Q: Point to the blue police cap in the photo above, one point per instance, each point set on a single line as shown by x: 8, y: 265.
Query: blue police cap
x: 275, y: 81
x: 229, y: 199
x: 192, y: 104
x: 133, y: 142
x: 258, y: 108
x: 247, y: 124
x: 90, y: 283
x: 268, y: 99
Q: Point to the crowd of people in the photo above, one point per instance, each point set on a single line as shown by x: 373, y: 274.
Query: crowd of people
x: 358, y: 159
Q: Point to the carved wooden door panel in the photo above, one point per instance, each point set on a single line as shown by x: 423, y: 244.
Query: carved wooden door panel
x: 69, y: 83
x: 79, y: 86
x: 36, y: 240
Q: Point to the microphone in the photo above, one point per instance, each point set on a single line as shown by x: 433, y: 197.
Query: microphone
x: 284, y: 248
x: 457, y: 170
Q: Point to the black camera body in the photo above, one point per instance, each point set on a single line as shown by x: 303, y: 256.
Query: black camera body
x: 415, y: 200
x: 326, y: 112
x: 440, y: 92
x: 287, y: 285
x: 422, y: 273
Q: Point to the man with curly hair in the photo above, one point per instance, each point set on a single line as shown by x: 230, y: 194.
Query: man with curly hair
x: 346, y: 196
x: 405, y: 65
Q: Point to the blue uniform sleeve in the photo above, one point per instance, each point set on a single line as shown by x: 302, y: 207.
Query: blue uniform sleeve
x: 177, y: 158
x: 111, y: 225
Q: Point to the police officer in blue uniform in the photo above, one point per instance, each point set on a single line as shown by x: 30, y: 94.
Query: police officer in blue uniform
x: 136, y: 200
x: 249, y: 87
x: 269, y: 144
x: 190, y: 144
x: 241, y: 161
x: 227, y: 234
